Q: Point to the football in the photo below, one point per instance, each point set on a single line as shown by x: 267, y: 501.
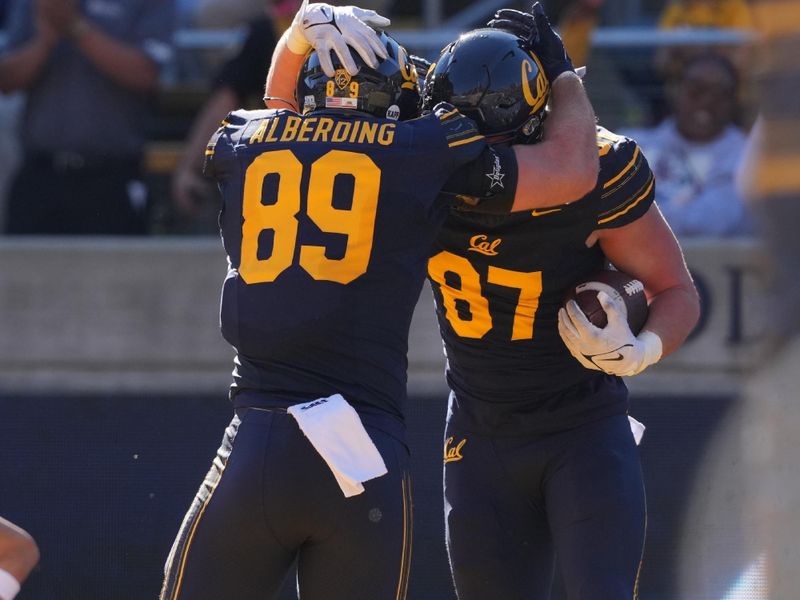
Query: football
x: 615, y: 284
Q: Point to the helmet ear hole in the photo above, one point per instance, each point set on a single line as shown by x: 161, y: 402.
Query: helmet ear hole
x: 532, y: 130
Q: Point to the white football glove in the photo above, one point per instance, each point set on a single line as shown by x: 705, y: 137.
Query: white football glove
x: 325, y: 28
x: 613, y: 349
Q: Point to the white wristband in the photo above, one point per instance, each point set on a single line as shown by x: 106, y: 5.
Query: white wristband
x: 9, y: 586
x: 652, y: 346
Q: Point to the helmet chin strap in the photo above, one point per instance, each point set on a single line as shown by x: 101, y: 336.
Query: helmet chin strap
x: 292, y: 104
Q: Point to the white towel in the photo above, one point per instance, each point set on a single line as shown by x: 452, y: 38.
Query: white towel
x: 335, y: 430
x: 637, y: 429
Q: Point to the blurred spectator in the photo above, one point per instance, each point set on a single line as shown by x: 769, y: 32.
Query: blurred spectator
x: 226, y: 14
x: 88, y: 69
x: 701, y: 14
x: 239, y: 83
x: 10, y: 115
x: 576, y: 24
x: 695, y: 152
x: 772, y: 184
x: 706, y: 13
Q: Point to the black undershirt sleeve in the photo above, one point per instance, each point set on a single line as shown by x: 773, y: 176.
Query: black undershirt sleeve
x: 487, y: 184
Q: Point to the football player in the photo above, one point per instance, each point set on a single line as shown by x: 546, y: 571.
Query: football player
x: 18, y: 556
x: 540, y: 458
x: 327, y: 239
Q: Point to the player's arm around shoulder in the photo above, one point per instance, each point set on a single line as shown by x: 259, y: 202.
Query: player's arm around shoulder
x: 560, y: 169
x: 564, y: 166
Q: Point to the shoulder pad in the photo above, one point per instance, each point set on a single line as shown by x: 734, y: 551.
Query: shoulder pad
x: 625, y: 186
x: 445, y: 111
x: 240, y: 118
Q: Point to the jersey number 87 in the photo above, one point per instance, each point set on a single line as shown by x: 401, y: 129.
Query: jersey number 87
x: 469, y: 293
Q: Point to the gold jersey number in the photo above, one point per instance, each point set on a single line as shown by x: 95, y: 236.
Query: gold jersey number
x: 469, y: 292
x: 357, y: 222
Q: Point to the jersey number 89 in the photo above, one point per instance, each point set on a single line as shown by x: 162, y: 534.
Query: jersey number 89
x: 357, y: 223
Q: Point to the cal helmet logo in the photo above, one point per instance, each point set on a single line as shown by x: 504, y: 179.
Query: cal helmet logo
x: 342, y: 78
x: 535, y: 99
x: 409, y: 72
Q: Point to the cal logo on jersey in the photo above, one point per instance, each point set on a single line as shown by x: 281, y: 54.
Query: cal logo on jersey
x: 452, y: 450
x: 480, y: 243
x: 536, y: 97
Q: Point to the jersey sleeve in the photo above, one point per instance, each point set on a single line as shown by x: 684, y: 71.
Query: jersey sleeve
x: 220, y: 155
x: 460, y: 134
x: 626, y: 186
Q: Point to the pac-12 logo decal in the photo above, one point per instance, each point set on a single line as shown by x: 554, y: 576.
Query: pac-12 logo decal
x: 452, y: 452
x: 480, y: 243
x: 342, y: 78
x: 534, y: 99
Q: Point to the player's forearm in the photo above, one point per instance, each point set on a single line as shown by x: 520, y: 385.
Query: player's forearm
x: 673, y: 314
x: 282, y: 76
x: 19, y: 70
x: 126, y: 65
x: 564, y: 166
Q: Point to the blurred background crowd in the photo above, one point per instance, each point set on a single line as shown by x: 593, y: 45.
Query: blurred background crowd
x: 108, y: 104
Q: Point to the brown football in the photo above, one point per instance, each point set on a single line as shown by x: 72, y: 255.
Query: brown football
x: 615, y: 284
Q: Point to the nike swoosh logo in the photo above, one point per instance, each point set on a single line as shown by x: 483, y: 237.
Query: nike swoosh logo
x: 615, y: 358
x: 539, y: 213
x: 596, y: 357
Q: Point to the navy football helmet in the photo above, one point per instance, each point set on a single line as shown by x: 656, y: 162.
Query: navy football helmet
x: 491, y: 77
x: 389, y: 91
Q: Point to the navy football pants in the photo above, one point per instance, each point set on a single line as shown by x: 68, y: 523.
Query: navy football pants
x: 512, y: 504
x: 269, y: 499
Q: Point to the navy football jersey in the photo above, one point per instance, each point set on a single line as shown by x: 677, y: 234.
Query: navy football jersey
x: 499, y: 281
x: 328, y: 220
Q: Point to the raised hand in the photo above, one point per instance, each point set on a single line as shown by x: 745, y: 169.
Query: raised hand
x: 329, y: 28
x: 535, y: 29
